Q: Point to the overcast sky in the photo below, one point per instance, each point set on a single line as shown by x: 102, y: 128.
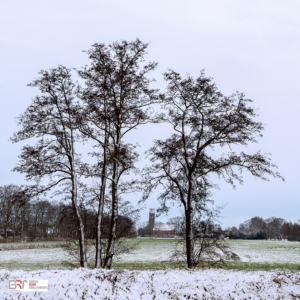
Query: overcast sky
x: 252, y: 46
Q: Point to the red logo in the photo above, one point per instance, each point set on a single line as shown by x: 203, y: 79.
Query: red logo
x: 20, y: 283
x: 13, y: 284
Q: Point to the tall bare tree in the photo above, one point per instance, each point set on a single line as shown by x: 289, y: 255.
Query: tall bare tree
x: 94, y: 125
x: 51, y: 119
x: 203, y: 119
x: 118, y: 99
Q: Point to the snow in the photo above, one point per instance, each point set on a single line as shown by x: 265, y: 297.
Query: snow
x: 156, y: 250
x: 158, y: 285
x: 164, y: 227
x: 266, y: 251
x: 170, y: 284
x: 248, y: 251
x: 32, y: 259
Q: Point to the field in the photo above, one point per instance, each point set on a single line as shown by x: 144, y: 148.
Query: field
x: 154, y: 254
x: 147, y: 274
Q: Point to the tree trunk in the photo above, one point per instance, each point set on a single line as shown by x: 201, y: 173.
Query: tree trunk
x: 22, y: 232
x: 35, y: 234
x: 113, y: 225
x: 98, y: 262
x: 82, y: 248
x: 14, y: 231
x: 189, y: 238
x: 189, y: 229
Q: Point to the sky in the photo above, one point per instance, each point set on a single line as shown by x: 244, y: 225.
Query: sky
x: 251, y: 46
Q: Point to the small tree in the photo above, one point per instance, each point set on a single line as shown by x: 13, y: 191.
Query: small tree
x: 203, y: 119
x: 51, y: 118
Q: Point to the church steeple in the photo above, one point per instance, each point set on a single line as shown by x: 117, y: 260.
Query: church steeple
x: 151, y: 220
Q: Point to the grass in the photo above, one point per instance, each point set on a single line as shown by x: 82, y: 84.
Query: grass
x: 19, y: 246
x: 265, y: 266
x: 237, y: 266
x: 31, y: 243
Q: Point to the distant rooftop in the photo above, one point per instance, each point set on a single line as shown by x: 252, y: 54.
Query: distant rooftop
x: 164, y: 227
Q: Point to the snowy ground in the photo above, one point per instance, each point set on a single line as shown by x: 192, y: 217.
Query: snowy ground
x: 158, y: 285
x: 31, y: 259
x: 170, y: 284
x: 247, y: 250
x: 266, y: 251
x: 155, y: 251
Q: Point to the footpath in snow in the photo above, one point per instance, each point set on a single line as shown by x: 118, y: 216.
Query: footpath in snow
x: 158, y: 285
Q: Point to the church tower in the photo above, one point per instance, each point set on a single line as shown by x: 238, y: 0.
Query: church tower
x: 151, y: 220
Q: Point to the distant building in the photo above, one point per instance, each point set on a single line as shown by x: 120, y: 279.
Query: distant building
x: 151, y: 220
x: 165, y: 230
x: 159, y: 230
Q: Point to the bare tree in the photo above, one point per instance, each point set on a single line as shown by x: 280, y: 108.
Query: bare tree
x: 203, y: 119
x: 118, y: 99
x: 233, y: 230
x: 208, y: 238
x: 39, y: 210
x: 51, y: 118
x: 253, y: 226
x: 94, y: 125
x: 177, y: 222
x: 274, y: 226
x: 291, y: 231
x: 8, y: 206
x: 24, y: 204
x: 53, y: 217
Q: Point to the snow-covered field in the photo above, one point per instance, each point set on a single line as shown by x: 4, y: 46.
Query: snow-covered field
x: 247, y: 251
x: 32, y: 259
x: 158, y: 285
x: 266, y: 251
x: 170, y: 284
x: 155, y: 250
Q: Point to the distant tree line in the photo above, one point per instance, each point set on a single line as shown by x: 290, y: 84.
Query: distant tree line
x: 38, y: 219
x: 201, y: 226
x: 271, y: 228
